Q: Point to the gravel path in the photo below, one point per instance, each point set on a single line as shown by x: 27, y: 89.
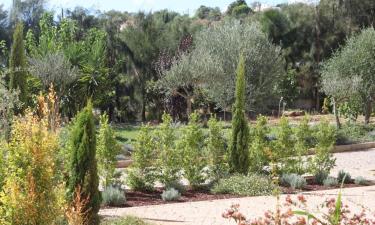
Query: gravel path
x: 360, y: 163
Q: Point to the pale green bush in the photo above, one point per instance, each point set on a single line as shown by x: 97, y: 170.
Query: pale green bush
x: 170, y: 195
x: 113, y: 196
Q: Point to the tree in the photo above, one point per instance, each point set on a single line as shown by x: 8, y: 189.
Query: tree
x: 237, y: 8
x: 83, y: 164
x: 239, y: 148
x: 204, y: 12
x: 350, y: 72
x: 17, y: 64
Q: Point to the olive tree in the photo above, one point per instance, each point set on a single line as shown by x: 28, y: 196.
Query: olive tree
x: 351, y: 71
x: 211, y: 65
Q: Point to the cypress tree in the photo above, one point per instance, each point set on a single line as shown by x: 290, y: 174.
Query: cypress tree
x: 239, y: 151
x: 17, y: 64
x: 83, y: 165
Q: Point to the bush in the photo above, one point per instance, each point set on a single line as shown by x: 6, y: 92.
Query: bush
x: 113, y: 196
x: 170, y: 195
x: 107, y: 150
x: 216, y: 151
x: 344, y: 177
x: 140, y: 180
x: 294, y: 181
x: 250, y: 185
x: 330, y: 182
x: 320, y: 177
x: 259, y: 146
x: 360, y: 181
x: 190, y: 145
x: 169, y: 157
x: 129, y: 220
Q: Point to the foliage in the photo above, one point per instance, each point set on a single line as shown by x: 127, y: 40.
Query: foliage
x: 259, y: 145
x: 360, y: 180
x: 238, y: 152
x: 142, y: 176
x: 77, y: 212
x: 320, y: 176
x: 293, y: 180
x: 190, y: 145
x: 330, y: 182
x: 283, y: 146
x: 325, y: 136
x: 83, y: 164
x: 344, y: 177
x: 250, y: 185
x: 113, y: 196
x: 107, y: 150
x: 17, y: 64
x: 29, y: 194
x: 170, y: 194
x: 354, y: 133
x: 215, y: 147
x: 169, y: 157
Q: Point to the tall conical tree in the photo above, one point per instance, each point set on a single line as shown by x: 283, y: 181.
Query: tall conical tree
x: 17, y: 64
x: 83, y: 165
x: 239, y: 151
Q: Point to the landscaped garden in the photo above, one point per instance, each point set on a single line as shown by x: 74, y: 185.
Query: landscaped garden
x: 108, y: 116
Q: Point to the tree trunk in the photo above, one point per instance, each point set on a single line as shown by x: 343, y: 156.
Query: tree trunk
x: 188, y: 106
x: 338, y: 124
x: 368, y: 111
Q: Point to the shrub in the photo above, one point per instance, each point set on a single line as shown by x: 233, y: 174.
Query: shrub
x: 250, y: 185
x: 169, y: 157
x: 142, y: 174
x: 320, y: 177
x: 294, y: 181
x: 191, y: 145
x: 259, y: 146
x: 30, y: 193
x: 113, y: 196
x: 170, y: 195
x: 239, y: 148
x: 344, y: 177
x: 215, y: 143
x: 330, y: 182
x: 83, y: 166
x: 107, y: 150
x: 360, y: 181
x: 323, y: 160
x: 283, y: 146
x: 129, y: 220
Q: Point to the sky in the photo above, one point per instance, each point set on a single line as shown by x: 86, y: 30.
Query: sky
x: 182, y: 6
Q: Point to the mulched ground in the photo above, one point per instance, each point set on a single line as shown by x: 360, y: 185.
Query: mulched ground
x: 136, y: 198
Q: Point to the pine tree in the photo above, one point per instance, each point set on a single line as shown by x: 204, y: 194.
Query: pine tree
x: 239, y: 151
x: 83, y: 165
x: 17, y: 64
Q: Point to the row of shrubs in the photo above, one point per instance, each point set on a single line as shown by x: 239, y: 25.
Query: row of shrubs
x: 168, y: 153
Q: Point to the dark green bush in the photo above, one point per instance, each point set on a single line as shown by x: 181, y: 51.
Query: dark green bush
x: 320, y: 177
x: 344, y: 177
x: 250, y: 185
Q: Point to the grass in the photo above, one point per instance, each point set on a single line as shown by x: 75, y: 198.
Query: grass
x: 126, y: 134
x: 129, y: 220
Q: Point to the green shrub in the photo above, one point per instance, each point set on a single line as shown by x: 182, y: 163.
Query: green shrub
x: 129, y: 220
x: 330, y: 182
x: 190, y: 145
x: 113, y: 196
x: 259, y: 146
x: 142, y: 174
x: 107, y: 150
x: 283, y: 146
x: 344, y: 177
x: 176, y: 185
x: 239, y: 147
x: 355, y: 133
x: 323, y: 160
x: 215, y: 148
x: 83, y: 165
x: 250, y: 185
x: 169, y: 159
x: 294, y: 181
x: 320, y: 177
x: 170, y: 194
x: 360, y: 181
